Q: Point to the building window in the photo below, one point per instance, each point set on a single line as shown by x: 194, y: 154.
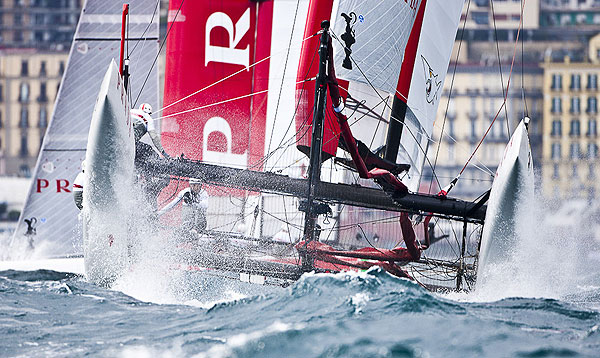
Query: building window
x: 43, y: 97
x: 556, y: 151
x: 23, y: 152
x: 574, y: 172
x: 18, y: 19
x: 592, y: 105
x: 25, y: 171
x: 24, y: 92
x: 43, y: 123
x: 574, y: 151
x: 61, y: 68
x: 43, y: 68
x: 575, y: 105
x: 592, y: 151
x: 473, y: 128
x: 592, y: 128
x: 556, y: 81
x: 575, y: 82
x: 556, y: 128
x: 24, y: 68
x: 0, y: 119
x: 556, y: 105
x: 480, y: 18
x: 451, y: 127
x: 1, y: 93
x: 591, y: 171
x: 555, y: 171
x: 575, y: 129
x: 24, y: 119
x: 592, y: 81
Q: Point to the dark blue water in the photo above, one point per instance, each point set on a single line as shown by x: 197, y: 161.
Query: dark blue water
x: 46, y: 313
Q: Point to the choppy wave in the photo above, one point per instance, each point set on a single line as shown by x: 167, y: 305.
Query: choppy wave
x: 372, y: 314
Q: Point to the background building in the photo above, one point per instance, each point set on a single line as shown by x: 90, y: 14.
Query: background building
x: 35, y: 37
x: 43, y: 24
x: 29, y: 81
x: 570, y: 150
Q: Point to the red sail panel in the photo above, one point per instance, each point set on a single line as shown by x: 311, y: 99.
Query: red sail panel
x: 209, y: 41
x: 410, y: 55
x: 318, y: 10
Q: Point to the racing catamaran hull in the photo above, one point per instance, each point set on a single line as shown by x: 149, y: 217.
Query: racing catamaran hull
x: 512, y: 190
x: 110, y: 172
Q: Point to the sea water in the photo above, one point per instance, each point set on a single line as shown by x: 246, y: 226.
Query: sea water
x: 369, y: 314
x: 544, y: 303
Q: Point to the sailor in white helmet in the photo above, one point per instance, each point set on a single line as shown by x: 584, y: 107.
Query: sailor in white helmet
x: 78, y: 187
x: 144, y: 124
x: 193, y: 209
x: 144, y: 127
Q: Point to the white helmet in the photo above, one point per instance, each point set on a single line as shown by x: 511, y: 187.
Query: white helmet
x: 195, y: 181
x: 146, y: 107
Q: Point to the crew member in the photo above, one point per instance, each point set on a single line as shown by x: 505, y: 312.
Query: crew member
x: 78, y: 187
x: 193, y: 209
x: 144, y: 126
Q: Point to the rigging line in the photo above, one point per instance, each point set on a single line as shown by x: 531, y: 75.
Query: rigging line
x: 212, y: 104
x: 159, y: 50
x: 505, y: 95
x: 245, y: 69
x: 296, y: 256
x: 484, y: 168
x: 287, y: 56
x: 146, y: 29
x: 524, y: 98
x: 462, y: 35
x: 306, y: 119
x: 500, y: 66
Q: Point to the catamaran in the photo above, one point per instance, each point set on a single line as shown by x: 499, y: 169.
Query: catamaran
x: 257, y: 106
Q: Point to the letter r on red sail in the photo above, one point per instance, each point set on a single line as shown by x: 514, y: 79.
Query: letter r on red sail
x: 228, y: 54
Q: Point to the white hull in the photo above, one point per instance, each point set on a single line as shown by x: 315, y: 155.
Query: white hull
x: 110, y: 172
x: 512, y: 191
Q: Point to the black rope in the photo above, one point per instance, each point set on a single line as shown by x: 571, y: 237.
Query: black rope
x: 287, y: 55
x: 523, y: 96
x: 500, y: 67
x: 158, y: 54
x: 146, y: 29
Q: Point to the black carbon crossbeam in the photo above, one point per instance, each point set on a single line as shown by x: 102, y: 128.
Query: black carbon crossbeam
x: 354, y: 195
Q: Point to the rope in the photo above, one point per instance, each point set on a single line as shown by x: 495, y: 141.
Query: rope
x: 158, y: 54
x: 500, y: 67
x: 505, y: 95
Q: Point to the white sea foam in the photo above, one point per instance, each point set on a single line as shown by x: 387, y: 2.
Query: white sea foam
x: 551, y: 259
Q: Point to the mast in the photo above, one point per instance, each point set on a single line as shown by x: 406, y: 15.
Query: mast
x: 124, y: 62
x: 314, y: 167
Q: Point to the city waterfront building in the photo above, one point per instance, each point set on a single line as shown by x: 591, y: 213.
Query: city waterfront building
x: 29, y: 83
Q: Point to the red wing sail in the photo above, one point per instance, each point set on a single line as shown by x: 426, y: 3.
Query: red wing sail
x: 212, y: 46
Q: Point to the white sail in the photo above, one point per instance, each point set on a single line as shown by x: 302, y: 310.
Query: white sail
x: 409, y: 64
x: 440, y: 22
x: 381, y: 31
x: 95, y: 44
